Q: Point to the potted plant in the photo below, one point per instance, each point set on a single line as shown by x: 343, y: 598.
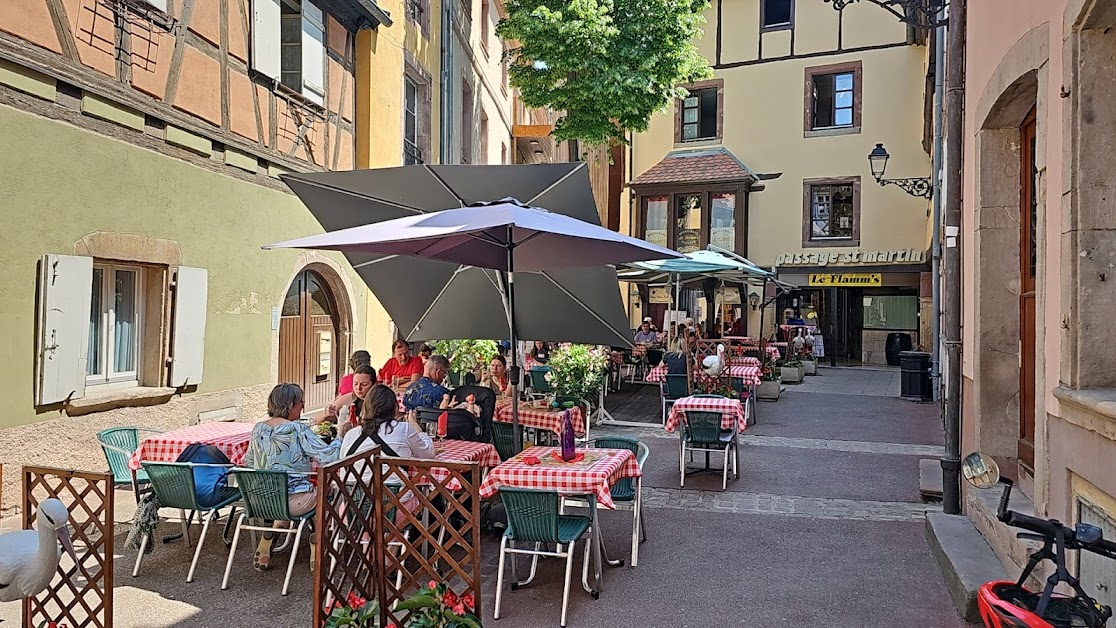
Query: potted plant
x: 809, y: 364
x: 465, y: 356
x: 577, y: 373
x: 770, y: 387
x: 435, y: 606
x: 792, y: 372
x: 356, y: 612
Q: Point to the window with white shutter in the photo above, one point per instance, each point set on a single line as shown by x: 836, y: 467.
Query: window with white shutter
x: 265, y: 38
x: 313, y: 53
x: 64, y: 302
x: 188, y: 339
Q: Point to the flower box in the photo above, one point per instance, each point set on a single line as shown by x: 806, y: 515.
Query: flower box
x: 769, y: 390
x: 791, y: 374
x: 810, y: 367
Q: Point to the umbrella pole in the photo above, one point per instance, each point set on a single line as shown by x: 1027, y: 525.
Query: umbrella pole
x: 510, y: 308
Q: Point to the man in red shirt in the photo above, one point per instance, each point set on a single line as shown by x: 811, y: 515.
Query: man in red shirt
x: 402, y: 368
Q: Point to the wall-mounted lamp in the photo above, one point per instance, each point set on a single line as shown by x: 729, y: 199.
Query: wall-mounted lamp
x: 877, y: 160
x: 753, y: 300
x: 921, y: 13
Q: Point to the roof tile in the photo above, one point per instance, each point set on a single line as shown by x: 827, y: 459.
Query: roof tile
x: 689, y: 166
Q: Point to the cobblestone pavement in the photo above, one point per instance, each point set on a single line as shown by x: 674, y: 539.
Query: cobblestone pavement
x: 784, y: 505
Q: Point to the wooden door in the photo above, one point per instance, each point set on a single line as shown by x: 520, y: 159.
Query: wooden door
x: 308, y: 344
x: 1028, y: 263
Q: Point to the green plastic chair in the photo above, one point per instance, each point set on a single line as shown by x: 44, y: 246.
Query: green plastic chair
x: 625, y: 492
x: 533, y: 518
x: 675, y: 387
x: 265, y: 497
x: 119, y: 443
x: 702, y: 432
x: 173, y: 483
x: 503, y: 438
x: 539, y: 386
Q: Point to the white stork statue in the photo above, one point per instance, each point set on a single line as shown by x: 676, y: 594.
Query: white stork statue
x: 29, y: 558
x: 715, y: 364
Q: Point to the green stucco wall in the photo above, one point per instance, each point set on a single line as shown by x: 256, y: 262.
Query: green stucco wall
x: 61, y: 183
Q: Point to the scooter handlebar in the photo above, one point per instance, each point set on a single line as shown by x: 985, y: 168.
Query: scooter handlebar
x: 1050, y: 529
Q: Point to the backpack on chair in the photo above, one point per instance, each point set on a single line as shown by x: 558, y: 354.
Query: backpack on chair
x: 209, y: 482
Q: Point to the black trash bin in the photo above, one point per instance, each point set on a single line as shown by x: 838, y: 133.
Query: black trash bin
x: 896, y: 342
x: 915, y: 382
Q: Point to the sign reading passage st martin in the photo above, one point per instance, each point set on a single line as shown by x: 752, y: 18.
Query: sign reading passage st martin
x: 854, y: 279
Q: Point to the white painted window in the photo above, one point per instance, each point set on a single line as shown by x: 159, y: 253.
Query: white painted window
x: 92, y: 327
x: 288, y: 45
x: 115, y: 321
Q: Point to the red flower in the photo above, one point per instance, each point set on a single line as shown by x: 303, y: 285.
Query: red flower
x: 431, y: 584
x: 355, y: 601
x: 459, y: 609
x: 468, y: 601
x: 450, y: 598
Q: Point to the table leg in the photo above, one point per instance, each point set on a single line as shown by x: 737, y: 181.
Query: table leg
x: 598, y: 571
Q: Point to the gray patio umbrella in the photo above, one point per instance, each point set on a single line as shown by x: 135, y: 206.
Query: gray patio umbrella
x: 562, y: 304
x: 506, y: 236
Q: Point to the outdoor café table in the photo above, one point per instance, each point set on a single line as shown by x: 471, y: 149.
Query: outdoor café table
x: 748, y: 373
x: 540, y: 418
x: 230, y: 438
x: 732, y: 411
x: 592, y: 477
x: 462, y: 451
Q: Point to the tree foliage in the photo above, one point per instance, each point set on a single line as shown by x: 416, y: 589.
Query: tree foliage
x: 607, y: 65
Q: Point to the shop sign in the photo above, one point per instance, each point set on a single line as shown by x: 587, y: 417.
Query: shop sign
x: 848, y: 279
x: 730, y: 296
x: 856, y: 256
x: 659, y: 295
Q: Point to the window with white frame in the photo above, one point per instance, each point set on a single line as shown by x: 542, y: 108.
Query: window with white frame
x: 115, y: 320
x: 288, y: 45
x: 97, y: 319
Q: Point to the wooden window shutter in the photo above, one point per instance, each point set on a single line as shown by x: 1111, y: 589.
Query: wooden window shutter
x: 188, y: 339
x: 313, y: 53
x: 265, y: 38
x: 65, y: 296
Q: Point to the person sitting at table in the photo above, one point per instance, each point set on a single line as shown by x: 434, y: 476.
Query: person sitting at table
x: 424, y: 352
x: 540, y: 353
x: 678, y: 341
x: 428, y: 391
x: 645, y: 335
x: 364, y: 378
x: 402, y: 368
x: 497, y: 376
x: 283, y: 443
x: 398, y: 437
x: 358, y: 359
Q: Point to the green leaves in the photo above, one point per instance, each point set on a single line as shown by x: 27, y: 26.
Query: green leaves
x: 607, y: 64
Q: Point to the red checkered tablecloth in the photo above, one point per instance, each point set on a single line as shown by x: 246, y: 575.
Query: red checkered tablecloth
x: 732, y: 411
x: 750, y: 374
x: 231, y: 438
x: 600, y: 469
x: 745, y: 361
x: 462, y: 451
x: 540, y: 418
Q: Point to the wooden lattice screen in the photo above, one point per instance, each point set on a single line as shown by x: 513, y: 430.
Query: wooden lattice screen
x: 437, y: 538
x: 82, y: 595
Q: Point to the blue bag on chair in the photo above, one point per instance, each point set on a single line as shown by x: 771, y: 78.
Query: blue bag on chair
x: 209, y: 482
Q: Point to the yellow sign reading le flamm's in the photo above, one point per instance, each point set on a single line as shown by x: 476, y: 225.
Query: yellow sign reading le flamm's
x: 856, y: 279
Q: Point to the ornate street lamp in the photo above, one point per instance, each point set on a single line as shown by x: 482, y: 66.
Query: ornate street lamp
x: 877, y: 159
x: 923, y: 13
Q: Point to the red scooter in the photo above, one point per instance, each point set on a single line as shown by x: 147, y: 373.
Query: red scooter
x: 1006, y: 604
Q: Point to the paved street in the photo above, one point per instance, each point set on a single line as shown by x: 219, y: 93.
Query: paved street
x: 871, y: 381
x: 824, y: 524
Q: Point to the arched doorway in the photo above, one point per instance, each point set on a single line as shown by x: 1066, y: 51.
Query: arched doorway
x: 309, y: 339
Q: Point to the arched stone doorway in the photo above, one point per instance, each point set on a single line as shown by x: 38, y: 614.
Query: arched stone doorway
x: 310, y: 337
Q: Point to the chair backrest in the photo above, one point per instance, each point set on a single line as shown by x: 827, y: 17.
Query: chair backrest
x: 173, y: 483
x: 654, y: 356
x: 621, y: 442
x: 538, y: 379
x: 460, y: 426
x: 532, y: 515
x: 503, y: 438
x: 265, y: 494
x: 115, y: 441
x: 703, y: 427
x: 677, y: 386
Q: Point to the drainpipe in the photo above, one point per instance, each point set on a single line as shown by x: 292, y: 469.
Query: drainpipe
x: 446, y: 109
x: 936, y: 245
x: 951, y: 258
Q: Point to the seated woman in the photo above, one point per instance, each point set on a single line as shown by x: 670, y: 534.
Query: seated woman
x: 402, y: 368
x: 359, y: 358
x: 540, y: 353
x: 283, y: 443
x: 403, y: 438
x: 497, y: 376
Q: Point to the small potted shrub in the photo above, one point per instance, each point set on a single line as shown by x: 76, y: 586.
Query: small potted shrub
x: 577, y: 372
x: 809, y: 363
x: 770, y: 387
x: 792, y: 372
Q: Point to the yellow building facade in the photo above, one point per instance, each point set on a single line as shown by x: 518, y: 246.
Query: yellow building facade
x: 769, y: 159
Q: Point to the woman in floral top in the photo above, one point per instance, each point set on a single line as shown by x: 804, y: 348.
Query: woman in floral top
x: 283, y: 443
